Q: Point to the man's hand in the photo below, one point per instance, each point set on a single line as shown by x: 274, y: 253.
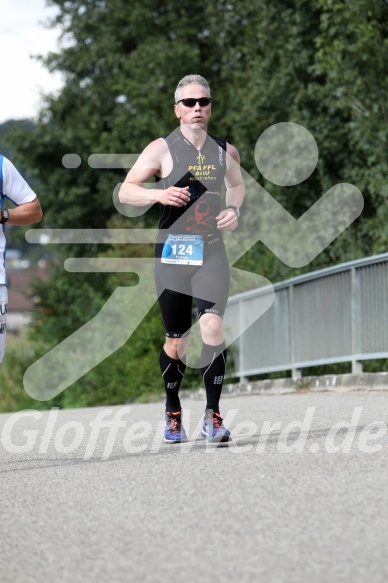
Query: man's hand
x: 175, y: 196
x: 227, y: 220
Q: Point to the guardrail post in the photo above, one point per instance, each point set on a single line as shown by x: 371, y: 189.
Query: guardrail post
x: 355, y: 321
x: 295, y: 372
x: 241, y: 365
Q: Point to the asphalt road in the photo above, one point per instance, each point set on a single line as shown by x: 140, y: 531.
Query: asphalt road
x: 300, y: 496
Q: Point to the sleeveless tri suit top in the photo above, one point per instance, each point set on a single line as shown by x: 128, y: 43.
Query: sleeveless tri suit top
x: 204, y: 172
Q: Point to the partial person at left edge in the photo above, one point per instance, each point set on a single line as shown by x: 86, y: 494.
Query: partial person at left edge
x: 27, y: 211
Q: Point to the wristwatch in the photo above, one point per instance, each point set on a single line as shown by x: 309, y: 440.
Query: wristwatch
x: 236, y: 210
x: 4, y: 216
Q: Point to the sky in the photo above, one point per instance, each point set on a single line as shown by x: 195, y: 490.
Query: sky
x: 24, y: 79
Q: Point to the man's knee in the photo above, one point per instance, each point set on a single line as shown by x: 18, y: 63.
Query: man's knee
x: 211, y: 328
x: 176, y: 347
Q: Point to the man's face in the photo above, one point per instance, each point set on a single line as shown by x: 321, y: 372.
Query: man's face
x: 197, y: 116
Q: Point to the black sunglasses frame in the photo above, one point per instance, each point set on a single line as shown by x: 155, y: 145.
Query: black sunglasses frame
x: 192, y: 101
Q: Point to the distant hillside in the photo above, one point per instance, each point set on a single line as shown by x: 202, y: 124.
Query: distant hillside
x: 5, y: 138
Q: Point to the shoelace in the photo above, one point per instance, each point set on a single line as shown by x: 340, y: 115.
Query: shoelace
x: 217, y: 421
x: 175, y: 422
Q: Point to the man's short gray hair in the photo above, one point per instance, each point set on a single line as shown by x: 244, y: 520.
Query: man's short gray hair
x: 190, y: 80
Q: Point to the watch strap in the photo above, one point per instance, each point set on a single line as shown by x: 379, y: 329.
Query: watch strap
x: 235, y: 208
x: 4, y: 216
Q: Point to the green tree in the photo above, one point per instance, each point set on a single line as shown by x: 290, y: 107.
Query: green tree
x: 352, y: 51
x: 319, y: 63
x: 120, y: 66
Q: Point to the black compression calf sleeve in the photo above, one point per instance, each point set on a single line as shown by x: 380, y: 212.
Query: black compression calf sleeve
x: 172, y: 372
x: 213, y: 364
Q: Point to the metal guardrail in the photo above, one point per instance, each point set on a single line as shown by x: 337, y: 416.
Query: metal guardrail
x: 338, y: 314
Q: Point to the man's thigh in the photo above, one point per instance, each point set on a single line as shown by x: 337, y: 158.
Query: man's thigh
x: 176, y: 310
x: 210, y: 285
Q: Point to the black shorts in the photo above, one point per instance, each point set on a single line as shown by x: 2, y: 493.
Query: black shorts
x: 178, y: 285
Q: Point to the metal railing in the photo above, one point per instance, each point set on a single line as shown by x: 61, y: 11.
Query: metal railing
x: 334, y: 315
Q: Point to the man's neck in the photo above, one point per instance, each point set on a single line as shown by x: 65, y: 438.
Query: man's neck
x: 196, y: 136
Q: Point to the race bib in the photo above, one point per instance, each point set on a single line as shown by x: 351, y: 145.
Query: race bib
x: 183, y: 250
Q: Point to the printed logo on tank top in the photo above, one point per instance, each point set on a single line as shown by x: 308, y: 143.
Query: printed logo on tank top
x: 201, y: 170
x: 201, y: 220
x: 202, y: 209
x: 220, y: 155
x: 201, y: 217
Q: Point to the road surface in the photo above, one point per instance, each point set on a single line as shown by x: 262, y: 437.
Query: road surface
x: 299, y: 496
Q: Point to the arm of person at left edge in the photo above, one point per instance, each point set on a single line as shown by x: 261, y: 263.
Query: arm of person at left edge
x: 235, y: 190
x: 25, y: 214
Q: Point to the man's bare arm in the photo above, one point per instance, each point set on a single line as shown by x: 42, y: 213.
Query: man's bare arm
x: 147, y: 165
x: 25, y: 214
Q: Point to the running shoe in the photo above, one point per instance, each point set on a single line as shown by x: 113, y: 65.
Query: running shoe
x: 213, y: 429
x: 174, y: 432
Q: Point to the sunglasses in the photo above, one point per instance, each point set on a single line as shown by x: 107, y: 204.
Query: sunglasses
x: 191, y: 101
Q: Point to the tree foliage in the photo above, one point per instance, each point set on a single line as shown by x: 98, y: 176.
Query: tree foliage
x: 320, y: 63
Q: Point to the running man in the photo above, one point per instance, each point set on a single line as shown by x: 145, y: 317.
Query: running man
x: 27, y: 211
x: 192, y: 168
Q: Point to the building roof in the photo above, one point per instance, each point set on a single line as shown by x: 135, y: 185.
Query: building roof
x: 19, y: 287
